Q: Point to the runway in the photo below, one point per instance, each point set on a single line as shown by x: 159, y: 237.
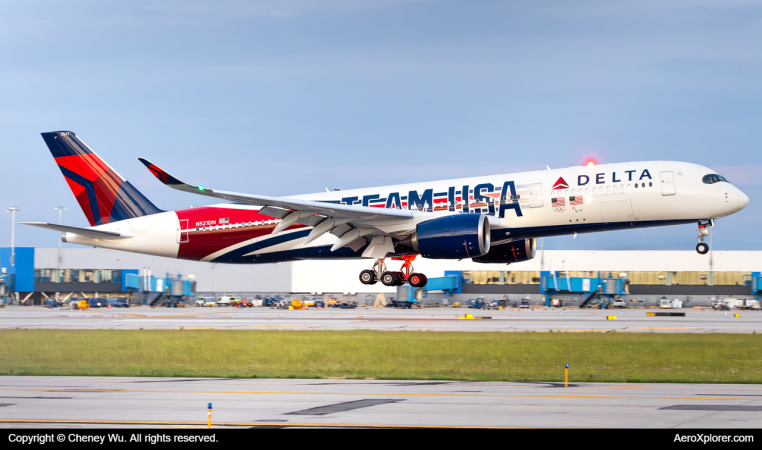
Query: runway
x: 369, y: 318
x: 172, y: 402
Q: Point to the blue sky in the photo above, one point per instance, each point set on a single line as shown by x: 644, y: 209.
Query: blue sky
x: 286, y: 97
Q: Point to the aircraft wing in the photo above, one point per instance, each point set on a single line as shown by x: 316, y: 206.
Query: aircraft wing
x: 347, y: 222
x: 287, y: 204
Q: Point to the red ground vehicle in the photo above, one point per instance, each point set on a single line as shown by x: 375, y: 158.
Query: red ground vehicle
x: 244, y: 303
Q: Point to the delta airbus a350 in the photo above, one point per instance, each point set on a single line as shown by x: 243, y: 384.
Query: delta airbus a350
x: 492, y: 219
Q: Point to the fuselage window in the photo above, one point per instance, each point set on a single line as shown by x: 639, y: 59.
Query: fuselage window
x: 650, y: 184
x: 713, y: 178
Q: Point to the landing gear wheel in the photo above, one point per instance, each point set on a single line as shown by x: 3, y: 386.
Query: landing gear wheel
x: 389, y: 279
x: 417, y: 280
x: 368, y: 277
x: 702, y: 248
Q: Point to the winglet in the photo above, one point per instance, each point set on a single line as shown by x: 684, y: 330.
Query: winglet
x: 159, y: 173
x: 169, y: 180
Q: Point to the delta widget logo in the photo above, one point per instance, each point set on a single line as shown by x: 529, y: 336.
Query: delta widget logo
x: 560, y: 184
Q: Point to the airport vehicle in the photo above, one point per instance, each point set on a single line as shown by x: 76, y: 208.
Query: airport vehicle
x: 226, y: 300
x: 719, y: 305
x: 749, y: 304
x: 491, y: 219
x: 284, y: 304
x: 50, y: 302
x: 618, y: 303
x: 738, y: 303
x: 476, y: 303
x: 79, y: 303
x: 206, y: 301
x: 665, y: 303
x: 348, y: 304
x: 97, y: 302
x: 271, y: 301
x: 118, y: 302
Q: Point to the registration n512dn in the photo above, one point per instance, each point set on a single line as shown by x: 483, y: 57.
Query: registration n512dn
x: 492, y: 219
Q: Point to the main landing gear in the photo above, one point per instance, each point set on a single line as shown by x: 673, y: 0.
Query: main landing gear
x: 702, y: 247
x: 405, y: 275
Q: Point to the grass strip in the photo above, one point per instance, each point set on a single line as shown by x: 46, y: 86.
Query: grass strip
x: 423, y: 355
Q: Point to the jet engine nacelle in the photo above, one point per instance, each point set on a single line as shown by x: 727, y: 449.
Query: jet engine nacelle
x: 511, y: 252
x: 453, y: 237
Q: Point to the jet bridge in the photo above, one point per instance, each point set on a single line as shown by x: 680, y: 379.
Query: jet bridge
x: 172, y: 290
x: 756, y: 284
x: 6, y: 286
x: 595, y: 291
x: 451, y: 283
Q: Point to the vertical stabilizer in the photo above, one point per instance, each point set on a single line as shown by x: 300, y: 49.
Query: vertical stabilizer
x: 103, y: 195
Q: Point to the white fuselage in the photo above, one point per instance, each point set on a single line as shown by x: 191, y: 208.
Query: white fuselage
x: 648, y: 192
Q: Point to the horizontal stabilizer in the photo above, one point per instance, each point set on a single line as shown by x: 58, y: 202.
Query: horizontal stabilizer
x: 89, y: 232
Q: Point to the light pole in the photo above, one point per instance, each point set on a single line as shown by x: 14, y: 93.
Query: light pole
x: 13, y: 210
x: 60, y: 210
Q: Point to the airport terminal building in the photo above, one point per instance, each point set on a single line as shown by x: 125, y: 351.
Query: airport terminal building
x: 41, y: 272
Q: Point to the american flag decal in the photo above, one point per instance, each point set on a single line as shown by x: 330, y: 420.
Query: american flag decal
x: 575, y: 200
x: 558, y: 201
x: 224, y: 220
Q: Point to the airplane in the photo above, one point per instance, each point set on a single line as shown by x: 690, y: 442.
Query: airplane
x: 493, y: 219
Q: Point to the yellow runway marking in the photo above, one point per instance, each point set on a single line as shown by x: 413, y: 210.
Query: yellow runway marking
x: 255, y: 326
x: 618, y: 329
x: 158, y: 317
x: 399, y: 394
x: 250, y: 424
x: 635, y: 386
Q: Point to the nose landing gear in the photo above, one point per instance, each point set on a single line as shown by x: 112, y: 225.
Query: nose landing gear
x: 389, y: 278
x: 702, y: 248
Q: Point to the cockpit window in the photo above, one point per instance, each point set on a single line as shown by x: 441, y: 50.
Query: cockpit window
x: 713, y: 178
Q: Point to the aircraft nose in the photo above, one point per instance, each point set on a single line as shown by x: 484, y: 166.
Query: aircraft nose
x: 743, y: 200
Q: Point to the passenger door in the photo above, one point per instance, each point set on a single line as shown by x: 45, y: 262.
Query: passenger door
x: 668, y: 183
x: 182, y: 231
x: 535, y: 195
